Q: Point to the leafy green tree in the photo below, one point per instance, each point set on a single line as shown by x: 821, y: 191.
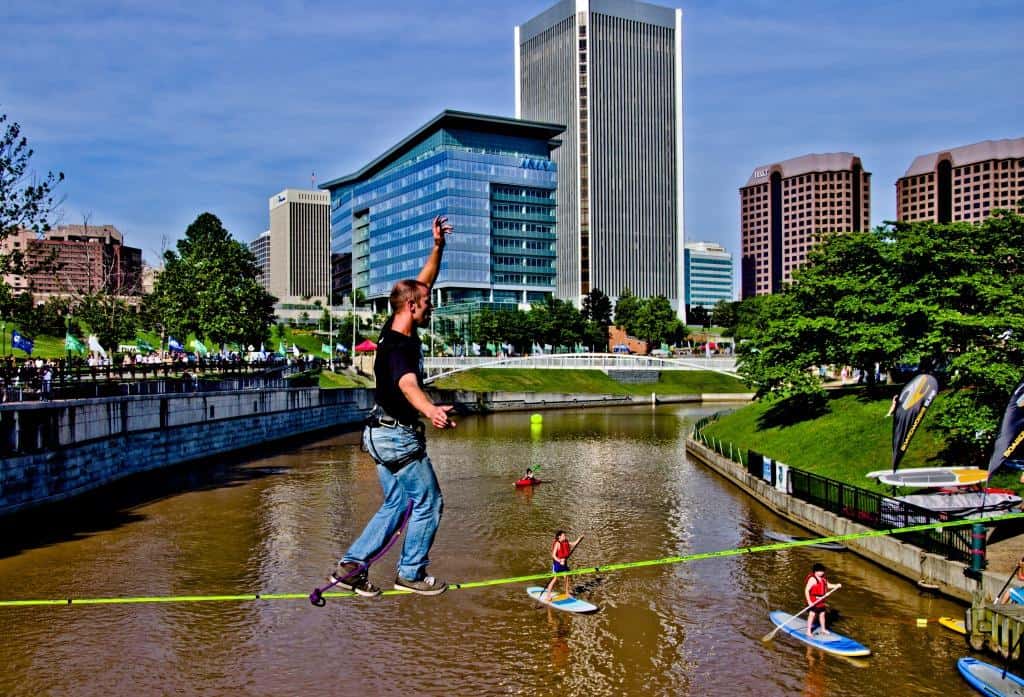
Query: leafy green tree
x: 626, y: 309
x: 109, y: 318
x: 723, y: 314
x: 487, y: 326
x: 597, y: 307
x: 26, y: 202
x: 595, y: 336
x: 211, y: 287
x: 948, y: 299
x: 698, y: 315
x: 656, y: 322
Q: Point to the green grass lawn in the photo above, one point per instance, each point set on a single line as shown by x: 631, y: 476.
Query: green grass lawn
x: 854, y: 437
x: 329, y: 381
x: 585, y: 382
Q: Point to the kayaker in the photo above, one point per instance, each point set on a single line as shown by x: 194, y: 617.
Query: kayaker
x: 816, y: 586
x: 561, y: 548
x: 1018, y: 576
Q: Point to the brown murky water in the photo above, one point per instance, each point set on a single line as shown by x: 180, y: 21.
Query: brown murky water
x: 276, y: 523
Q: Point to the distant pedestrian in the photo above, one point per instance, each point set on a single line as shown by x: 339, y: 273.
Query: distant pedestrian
x: 47, y: 383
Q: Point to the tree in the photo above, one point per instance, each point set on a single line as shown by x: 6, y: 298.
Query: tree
x: 109, y: 318
x: 210, y: 287
x: 945, y: 298
x: 25, y: 201
x: 597, y: 307
x: 723, y: 314
x: 698, y: 315
x: 655, y: 321
x: 626, y: 310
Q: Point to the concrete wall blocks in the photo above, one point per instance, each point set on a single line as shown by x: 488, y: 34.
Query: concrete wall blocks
x: 100, y: 441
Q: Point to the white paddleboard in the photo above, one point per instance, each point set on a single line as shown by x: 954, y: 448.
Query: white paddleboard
x: 561, y: 601
x: 927, y: 477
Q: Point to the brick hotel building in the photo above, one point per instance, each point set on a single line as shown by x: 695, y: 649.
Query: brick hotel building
x: 785, y: 207
x: 965, y: 183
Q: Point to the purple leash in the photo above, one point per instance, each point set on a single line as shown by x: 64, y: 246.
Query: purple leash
x: 317, y: 596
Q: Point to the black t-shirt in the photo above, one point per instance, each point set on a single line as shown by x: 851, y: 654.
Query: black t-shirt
x: 397, y: 354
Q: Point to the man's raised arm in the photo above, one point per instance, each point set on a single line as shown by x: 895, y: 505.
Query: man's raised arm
x: 432, y: 266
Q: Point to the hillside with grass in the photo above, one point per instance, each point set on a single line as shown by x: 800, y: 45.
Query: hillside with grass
x: 675, y: 382
x: 849, y: 437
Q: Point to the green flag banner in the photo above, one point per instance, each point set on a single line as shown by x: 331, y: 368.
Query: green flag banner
x: 73, y: 344
x: 199, y: 347
x: 281, y: 350
x: 326, y: 348
x: 144, y: 346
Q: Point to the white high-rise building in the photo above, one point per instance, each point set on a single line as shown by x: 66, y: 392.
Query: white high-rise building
x: 612, y: 72
x: 260, y: 248
x: 300, y: 246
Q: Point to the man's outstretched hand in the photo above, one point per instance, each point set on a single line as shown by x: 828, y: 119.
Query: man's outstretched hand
x: 442, y: 228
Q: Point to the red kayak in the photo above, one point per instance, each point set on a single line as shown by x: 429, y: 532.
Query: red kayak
x: 525, y: 481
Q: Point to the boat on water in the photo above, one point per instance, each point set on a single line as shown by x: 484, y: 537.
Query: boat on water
x: 988, y: 679
x: 783, y: 537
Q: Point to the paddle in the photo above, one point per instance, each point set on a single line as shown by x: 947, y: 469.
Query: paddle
x: 771, y: 634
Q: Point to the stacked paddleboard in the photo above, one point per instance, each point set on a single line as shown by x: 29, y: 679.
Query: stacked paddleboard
x: 931, y: 477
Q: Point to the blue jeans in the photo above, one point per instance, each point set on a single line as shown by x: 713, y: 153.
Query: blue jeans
x: 415, y: 481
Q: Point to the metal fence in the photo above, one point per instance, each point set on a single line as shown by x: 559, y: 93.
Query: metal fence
x: 869, y: 508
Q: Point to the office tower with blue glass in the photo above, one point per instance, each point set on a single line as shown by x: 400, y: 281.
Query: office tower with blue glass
x: 708, y: 274
x: 492, y: 176
x: 612, y: 71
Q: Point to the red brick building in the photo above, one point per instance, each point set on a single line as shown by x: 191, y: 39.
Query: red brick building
x: 75, y: 260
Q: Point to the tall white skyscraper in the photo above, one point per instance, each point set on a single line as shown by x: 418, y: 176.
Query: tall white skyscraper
x: 612, y: 72
x: 300, y: 245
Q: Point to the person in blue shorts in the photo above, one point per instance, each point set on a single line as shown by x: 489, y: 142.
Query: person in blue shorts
x: 561, y: 548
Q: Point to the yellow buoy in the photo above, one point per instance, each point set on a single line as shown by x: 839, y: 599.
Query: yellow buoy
x: 536, y: 419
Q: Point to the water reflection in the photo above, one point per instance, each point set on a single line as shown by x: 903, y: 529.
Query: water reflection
x: 620, y: 476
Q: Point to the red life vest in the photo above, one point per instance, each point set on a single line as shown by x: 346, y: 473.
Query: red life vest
x: 563, y: 550
x: 818, y: 590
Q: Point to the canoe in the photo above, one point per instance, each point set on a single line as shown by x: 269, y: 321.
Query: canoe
x: 953, y: 624
x: 832, y: 642
x: 989, y: 679
x: 561, y: 601
x: 783, y: 537
x: 930, y: 477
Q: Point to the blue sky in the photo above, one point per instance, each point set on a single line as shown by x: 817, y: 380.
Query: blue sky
x: 157, y: 112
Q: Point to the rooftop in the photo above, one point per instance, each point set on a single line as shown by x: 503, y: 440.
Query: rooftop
x: 1009, y: 148
x: 816, y: 162
x: 499, y: 125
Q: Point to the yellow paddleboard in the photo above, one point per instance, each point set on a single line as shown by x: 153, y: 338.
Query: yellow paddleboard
x: 953, y: 624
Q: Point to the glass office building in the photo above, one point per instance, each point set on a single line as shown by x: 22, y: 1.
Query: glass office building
x: 709, y: 274
x: 495, y: 180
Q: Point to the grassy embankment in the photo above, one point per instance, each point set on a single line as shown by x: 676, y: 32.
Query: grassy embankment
x: 852, y: 438
x: 586, y: 382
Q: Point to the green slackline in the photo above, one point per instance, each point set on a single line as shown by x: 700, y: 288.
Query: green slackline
x: 247, y: 597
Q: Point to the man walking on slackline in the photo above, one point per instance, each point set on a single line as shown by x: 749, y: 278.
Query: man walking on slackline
x: 394, y: 437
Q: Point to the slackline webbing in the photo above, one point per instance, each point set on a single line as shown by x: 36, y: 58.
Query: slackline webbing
x: 774, y: 547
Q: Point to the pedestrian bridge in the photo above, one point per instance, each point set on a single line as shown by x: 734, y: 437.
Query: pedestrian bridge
x: 438, y: 367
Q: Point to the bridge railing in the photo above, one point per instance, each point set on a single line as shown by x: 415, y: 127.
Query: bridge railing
x: 597, y: 361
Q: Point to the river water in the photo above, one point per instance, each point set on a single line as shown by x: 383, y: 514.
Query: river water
x: 275, y: 522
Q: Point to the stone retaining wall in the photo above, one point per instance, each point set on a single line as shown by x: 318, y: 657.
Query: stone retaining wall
x: 57, y: 450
